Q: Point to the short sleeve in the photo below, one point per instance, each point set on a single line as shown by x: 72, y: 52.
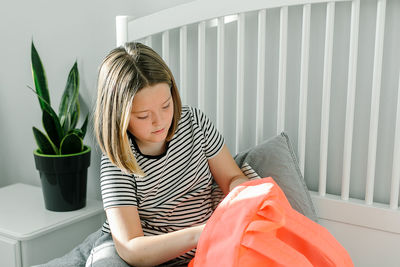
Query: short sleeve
x: 117, y: 188
x: 214, y: 141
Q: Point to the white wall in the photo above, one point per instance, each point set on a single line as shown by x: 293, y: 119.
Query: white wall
x: 63, y: 31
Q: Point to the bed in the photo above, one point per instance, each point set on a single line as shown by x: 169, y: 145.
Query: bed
x: 324, y: 74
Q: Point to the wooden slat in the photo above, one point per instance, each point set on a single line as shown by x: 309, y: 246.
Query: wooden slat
x: 326, y: 93
x: 201, y: 61
x: 121, y: 24
x: 220, y: 73
x: 260, y: 75
x: 375, y: 97
x: 356, y: 212
x: 351, y: 95
x: 280, y: 124
x: 183, y: 63
x: 394, y: 193
x: 305, y: 50
x: 240, y: 79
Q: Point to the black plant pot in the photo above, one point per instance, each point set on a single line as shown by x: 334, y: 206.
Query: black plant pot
x: 64, y: 179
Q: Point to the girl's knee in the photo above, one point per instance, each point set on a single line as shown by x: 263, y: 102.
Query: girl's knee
x: 104, y: 254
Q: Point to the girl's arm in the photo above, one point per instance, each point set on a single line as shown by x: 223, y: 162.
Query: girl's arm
x: 139, y: 250
x: 225, y: 171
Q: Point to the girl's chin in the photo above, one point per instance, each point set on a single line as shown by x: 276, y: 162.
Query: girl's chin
x: 159, y: 138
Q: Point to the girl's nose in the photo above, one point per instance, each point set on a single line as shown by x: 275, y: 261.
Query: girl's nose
x: 157, y: 118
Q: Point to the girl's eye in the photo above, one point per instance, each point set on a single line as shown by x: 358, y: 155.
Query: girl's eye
x: 167, y: 106
x: 142, y: 118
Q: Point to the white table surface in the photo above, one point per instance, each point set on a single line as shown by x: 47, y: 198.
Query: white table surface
x: 23, y: 215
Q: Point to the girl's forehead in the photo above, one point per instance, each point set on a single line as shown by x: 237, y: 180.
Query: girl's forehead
x: 151, y: 96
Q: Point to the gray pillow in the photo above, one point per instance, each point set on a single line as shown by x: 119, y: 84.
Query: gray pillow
x: 275, y: 158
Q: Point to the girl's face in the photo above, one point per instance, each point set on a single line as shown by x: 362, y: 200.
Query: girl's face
x: 151, y: 114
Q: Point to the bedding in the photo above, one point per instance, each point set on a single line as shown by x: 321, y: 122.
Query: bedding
x: 274, y: 157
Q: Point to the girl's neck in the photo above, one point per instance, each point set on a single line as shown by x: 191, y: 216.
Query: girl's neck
x: 152, y: 149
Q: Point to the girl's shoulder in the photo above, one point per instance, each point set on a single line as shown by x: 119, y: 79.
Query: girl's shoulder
x: 186, y: 109
x: 192, y: 113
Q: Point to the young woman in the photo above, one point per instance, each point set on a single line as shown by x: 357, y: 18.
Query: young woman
x: 164, y: 167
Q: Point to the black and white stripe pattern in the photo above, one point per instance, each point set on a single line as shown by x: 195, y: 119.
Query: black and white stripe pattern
x: 178, y: 189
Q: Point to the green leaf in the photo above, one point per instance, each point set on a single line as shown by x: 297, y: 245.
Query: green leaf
x: 78, y: 132
x: 70, y: 98
x: 48, y: 108
x: 66, y: 124
x: 44, y: 143
x: 74, y: 116
x: 84, y: 126
x: 82, y: 131
x: 53, y: 128
x: 39, y: 77
x: 71, y: 144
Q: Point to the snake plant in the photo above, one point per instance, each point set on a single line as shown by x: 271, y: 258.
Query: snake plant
x: 62, y: 137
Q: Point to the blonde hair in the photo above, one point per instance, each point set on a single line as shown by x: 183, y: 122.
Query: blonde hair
x: 126, y: 70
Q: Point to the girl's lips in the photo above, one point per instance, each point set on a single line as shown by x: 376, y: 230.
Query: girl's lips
x: 159, y: 131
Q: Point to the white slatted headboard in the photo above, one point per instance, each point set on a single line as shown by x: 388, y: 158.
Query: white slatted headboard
x: 326, y: 72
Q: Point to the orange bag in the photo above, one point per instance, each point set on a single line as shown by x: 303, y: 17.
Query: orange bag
x: 256, y: 226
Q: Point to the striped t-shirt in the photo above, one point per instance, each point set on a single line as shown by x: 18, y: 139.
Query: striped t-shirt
x: 178, y: 190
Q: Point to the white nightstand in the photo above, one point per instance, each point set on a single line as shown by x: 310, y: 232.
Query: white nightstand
x: 30, y: 234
